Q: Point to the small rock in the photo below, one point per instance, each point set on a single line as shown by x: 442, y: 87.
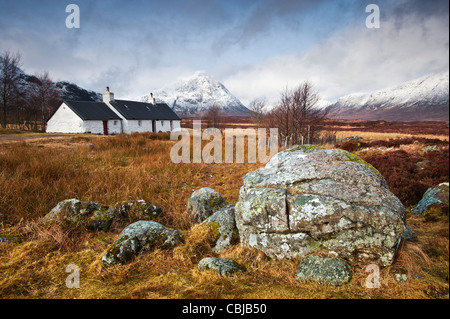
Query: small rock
x: 409, y: 233
x: 401, y: 277
x: 224, y: 227
x: 5, y: 239
x: 329, y: 270
x: 434, y: 196
x: 431, y: 148
x: 223, y: 266
x: 93, y: 216
x: 352, y: 138
x: 140, y: 209
x: 203, y: 203
x: 140, y: 237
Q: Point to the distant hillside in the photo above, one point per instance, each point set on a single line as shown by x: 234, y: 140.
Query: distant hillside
x: 423, y: 99
x: 71, y: 91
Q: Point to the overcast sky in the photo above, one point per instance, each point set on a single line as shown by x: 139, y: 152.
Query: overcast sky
x: 255, y: 48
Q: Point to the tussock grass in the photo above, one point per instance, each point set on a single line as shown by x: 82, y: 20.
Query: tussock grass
x: 36, y: 174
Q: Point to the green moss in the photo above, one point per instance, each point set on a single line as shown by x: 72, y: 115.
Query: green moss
x: 353, y: 158
x: 305, y: 148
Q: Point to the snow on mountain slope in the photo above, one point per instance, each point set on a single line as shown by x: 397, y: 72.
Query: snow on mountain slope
x: 429, y: 90
x: 424, y: 98
x: 196, y: 95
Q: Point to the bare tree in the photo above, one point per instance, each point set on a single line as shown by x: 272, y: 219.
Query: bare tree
x: 47, y: 95
x: 9, y: 81
x: 296, y: 116
x: 257, y: 111
x: 213, y: 116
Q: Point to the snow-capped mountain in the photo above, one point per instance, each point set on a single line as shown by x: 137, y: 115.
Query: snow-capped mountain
x: 426, y: 98
x: 196, y: 95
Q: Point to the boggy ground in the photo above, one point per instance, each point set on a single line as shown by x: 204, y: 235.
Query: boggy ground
x: 36, y: 174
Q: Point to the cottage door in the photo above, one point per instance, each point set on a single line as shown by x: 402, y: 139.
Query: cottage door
x: 154, y: 126
x: 105, y: 127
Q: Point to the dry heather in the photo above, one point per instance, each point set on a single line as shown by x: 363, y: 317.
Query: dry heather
x: 36, y: 174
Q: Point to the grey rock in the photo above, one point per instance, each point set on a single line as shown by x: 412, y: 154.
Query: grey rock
x: 224, y: 227
x: 140, y: 237
x: 409, y: 234
x: 11, y: 238
x: 352, y: 138
x: 223, y: 266
x: 93, y: 216
x: 431, y: 148
x: 333, y: 271
x: 434, y: 196
x: 140, y: 209
x: 203, y: 203
x: 307, y: 198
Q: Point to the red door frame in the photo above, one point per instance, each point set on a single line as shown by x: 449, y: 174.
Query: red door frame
x: 105, y: 127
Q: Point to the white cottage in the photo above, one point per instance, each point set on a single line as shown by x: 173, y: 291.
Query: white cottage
x: 113, y: 117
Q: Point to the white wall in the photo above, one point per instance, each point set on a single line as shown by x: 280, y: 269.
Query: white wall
x: 64, y: 120
x: 133, y: 126
x: 96, y: 127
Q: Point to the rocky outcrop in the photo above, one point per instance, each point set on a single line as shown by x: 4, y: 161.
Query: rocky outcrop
x: 433, y: 197
x: 140, y: 237
x: 93, y: 216
x: 203, y: 203
x: 307, y: 198
x: 223, y: 266
x: 333, y: 271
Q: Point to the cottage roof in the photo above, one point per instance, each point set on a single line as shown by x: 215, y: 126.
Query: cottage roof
x: 92, y: 110
x: 133, y: 110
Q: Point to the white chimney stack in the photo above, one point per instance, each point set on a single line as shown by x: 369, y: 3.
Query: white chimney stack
x: 151, y: 100
x: 108, y: 96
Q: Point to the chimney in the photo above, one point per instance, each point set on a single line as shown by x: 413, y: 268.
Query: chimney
x: 108, y: 96
x: 151, y: 100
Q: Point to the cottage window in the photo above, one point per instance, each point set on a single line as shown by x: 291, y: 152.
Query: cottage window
x: 162, y: 123
x: 139, y: 122
x: 115, y: 122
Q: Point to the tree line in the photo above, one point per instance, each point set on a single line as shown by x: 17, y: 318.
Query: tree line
x: 26, y: 101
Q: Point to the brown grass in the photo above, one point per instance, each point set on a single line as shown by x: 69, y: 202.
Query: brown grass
x: 36, y: 174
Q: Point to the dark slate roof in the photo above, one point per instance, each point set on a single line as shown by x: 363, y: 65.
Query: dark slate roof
x: 132, y: 110
x: 92, y: 110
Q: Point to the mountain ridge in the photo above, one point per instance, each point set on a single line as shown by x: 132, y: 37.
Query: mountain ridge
x: 195, y: 95
x: 425, y: 98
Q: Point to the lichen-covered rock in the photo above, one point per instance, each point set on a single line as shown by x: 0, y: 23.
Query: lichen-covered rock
x: 307, y: 198
x: 11, y: 238
x: 333, y: 271
x: 203, y: 203
x: 93, y: 216
x: 431, y: 148
x: 140, y: 237
x: 139, y: 209
x: 223, y: 266
x: 225, y: 231
x: 409, y: 234
x: 433, y: 197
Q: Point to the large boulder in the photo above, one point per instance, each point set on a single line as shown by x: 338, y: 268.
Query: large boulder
x: 433, y: 197
x: 93, y: 216
x: 140, y: 237
x: 203, y: 203
x: 308, y: 198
